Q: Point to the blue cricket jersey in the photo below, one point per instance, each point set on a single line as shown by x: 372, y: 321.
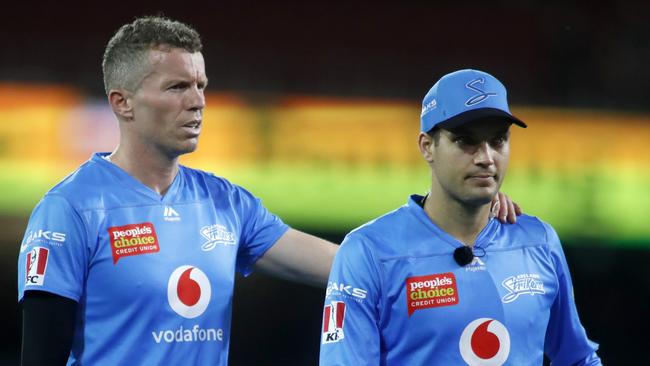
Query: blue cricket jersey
x: 153, y: 275
x: 396, y: 296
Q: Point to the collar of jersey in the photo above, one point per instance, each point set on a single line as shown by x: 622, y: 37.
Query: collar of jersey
x: 126, y: 180
x: 484, y: 239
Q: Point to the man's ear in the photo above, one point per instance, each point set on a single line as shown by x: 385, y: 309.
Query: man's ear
x: 426, y: 145
x: 121, y: 103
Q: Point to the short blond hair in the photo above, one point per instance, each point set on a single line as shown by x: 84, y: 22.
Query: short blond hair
x: 125, y: 58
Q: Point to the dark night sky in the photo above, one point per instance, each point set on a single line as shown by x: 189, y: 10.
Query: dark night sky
x: 584, y: 54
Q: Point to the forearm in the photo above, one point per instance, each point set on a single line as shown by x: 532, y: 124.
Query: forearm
x: 299, y: 257
x: 48, y: 327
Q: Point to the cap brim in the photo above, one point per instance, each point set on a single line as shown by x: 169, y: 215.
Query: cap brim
x: 476, y: 114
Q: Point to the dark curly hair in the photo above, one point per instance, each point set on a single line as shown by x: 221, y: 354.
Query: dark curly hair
x: 125, y: 58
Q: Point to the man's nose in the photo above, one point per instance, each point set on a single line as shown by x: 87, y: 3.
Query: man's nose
x: 484, y: 154
x: 196, y: 99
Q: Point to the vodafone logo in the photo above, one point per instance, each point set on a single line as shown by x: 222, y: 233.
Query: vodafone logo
x: 485, y: 342
x: 188, y: 291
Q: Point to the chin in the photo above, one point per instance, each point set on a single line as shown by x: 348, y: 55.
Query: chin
x: 481, y: 198
x: 175, y: 153
x: 187, y: 148
x: 478, y: 202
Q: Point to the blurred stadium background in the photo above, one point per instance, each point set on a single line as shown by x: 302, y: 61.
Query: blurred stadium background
x: 315, y: 108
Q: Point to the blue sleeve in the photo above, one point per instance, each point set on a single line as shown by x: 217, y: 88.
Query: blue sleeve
x: 260, y: 230
x: 53, y: 255
x: 566, y: 340
x: 350, y: 331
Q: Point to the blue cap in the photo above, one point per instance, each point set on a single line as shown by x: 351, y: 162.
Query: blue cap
x: 463, y: 96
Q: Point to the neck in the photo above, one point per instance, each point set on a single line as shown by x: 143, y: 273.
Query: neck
x: 154, y: 170
x: 462, y: 221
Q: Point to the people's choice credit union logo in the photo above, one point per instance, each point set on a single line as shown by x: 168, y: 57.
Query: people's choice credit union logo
x: 431, y: 291
x: 485, y: 342
x: 133, y: 239
x: 188, y: 291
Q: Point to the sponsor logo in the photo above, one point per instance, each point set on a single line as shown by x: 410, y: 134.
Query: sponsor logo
x: 188, y: 291
x: 134, y: 239
x: 36, y: 265
x: 429, y: 107
x: 170, y: 214
x: 481, y: 96
x: 476, y: 265
x: 527, y: 283
x: 216, y: 234
x: 43, y: 236
x: 333, y: 319
x: 345, y: 291
x: 188, y: 294
x: 485, y: 342
x: 193, y: 334
x: 431, y: 291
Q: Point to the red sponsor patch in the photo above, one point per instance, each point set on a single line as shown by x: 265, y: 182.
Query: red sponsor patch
x: 333, y: 318
x: 431, y: 291
x: 36, y: 264
x: 134, y: 239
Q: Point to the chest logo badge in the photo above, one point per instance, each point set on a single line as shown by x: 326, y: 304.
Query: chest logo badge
x: 431, y: 291
x: 170, y: 214
x: 134, y: 239
x: 527, y: 283
x: 216, y: 234
x: 485, y: 342
x: 188, y: 291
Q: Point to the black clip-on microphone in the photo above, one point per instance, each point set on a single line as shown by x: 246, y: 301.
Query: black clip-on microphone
x: 463, y: 255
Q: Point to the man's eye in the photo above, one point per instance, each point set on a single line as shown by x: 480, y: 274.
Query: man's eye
x: 463, y: 140
x: 499, y: 141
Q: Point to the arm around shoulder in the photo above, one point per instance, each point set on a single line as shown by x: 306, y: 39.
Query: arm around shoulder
x: 299, y: 257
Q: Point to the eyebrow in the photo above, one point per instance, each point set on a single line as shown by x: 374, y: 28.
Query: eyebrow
x: 176, y: 80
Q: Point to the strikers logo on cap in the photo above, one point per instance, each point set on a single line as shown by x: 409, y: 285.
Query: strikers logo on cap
x: 36, y: 264
x: 333, y: 318
x: 481, y: 94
